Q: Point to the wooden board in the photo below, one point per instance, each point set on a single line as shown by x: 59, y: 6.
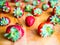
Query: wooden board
x: 30, y: 37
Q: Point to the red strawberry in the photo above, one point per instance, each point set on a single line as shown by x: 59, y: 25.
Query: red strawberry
x: 56, y: 10
x: 52, y: 3
x: 37, y: 11
x: 8, y: 19
x: 54, y: 19
x: 41, y: 26
x: 19, y: 28
x: 4, y: 21
x: 6, y: 9
x: 30, y: 20
x: 14, y: 32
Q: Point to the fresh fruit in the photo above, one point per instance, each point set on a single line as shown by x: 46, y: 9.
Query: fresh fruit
x: 52, y: 3
x: 36, y: 2
x: 45, y: 6
x: 56, y: 10
x: 54, y: 19
x: 29, y: 20
x: 18, y: 12
x: 14, y: 32
x: 4, y: 21
x: 37, y: 12
x: 45, y: 29
x: 28, y: 8
x: 6, y: 9
x: 20, y: 4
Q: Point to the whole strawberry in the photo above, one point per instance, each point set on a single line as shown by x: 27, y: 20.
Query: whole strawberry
x: 45, y: 6
x: 6, y: 9
x: 4, y: 21
x: 54, y: 19
x: 36, y: 2
x: 45, y: 29
x: 28, y: 8
x: 37, y: 12
x: 52, y: 3
x: 14, y: 32
x: 30, y: 20
x: 18, y: 12
x: 56, y: 10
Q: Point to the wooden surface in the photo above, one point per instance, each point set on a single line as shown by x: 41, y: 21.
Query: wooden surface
x: 30, y: 37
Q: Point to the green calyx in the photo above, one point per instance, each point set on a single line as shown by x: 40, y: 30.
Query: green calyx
x: 53, y: 3
x: 6, y: 9
x: 37, y: 11
x: 18, y: 12
x: 29, y: 14
x: 42, y: 0
x: 35, y: 2
x: 28, y: 8
x: 13, y: 35
x: 45, y: 6
x: 58, y: 10
x: 26, y: 0
x: 4, y: 21
x: 18, y: 4
x: 47, y: 30
x: 55, y: 19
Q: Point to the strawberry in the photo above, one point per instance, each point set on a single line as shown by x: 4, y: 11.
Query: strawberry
x: 18, y: 12
x: 54, y: 19
x: 28, y: 8
x: 36, y: 2
x: 56, y: 10
x: 52, y: 3
x: 14, y: 32
x: 45, y: 6
x: 37, y: 11
x: 20, y: 4
x: 45, y: 29
x: 4, y: 21
x: 6, y: 8
x: 30, y: 20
